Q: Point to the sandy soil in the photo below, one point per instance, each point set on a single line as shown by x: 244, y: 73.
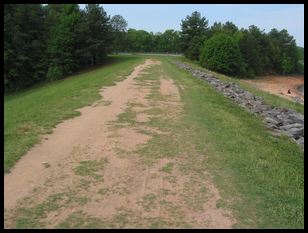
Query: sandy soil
x: 124, y: 184
x: 279, y: 85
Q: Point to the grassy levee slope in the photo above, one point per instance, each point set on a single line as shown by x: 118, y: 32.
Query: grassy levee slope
x: 36, y: 111
x: 261, y: 177
x: 267, y: 97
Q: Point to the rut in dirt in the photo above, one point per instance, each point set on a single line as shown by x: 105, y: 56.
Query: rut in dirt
x: 99, y: 175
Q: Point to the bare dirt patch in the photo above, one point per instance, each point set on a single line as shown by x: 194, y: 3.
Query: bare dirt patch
x: 87, y: 130
x: 167, y: 87
x: 279, y: 85
x: 98, y: 175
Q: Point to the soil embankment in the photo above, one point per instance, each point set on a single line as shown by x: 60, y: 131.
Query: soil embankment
x: 285, y: 86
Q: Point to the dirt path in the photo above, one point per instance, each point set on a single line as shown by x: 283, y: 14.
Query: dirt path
x: 279, y: 85
x: 90, y: 171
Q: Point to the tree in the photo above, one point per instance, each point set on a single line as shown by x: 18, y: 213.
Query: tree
x: 62, y: 45
x: 168, y: 42
x: 194, y: 31
x: 139, y: 40
x: 221, y: 53
x: 251, y: 54
x: 23, y: 45
x: 286, y: 54
x: 227, y: 28
x: 119, y: 25
x: 99, y: 40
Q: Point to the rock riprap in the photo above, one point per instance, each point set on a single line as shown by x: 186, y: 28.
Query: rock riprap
x: 280, y: 120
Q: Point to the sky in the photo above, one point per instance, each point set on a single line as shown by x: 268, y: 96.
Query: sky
x: 159, y: 17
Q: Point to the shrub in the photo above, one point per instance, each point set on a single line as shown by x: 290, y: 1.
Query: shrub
x: 193, y: 51
x: 222, y: 54
x: 54, y: 73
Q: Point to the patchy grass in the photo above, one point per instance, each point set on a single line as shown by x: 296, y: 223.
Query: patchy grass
x: 149, y: 202
x: 127, y: 117
x: 33, y: 112
x: 91, y: 168
x: 255, y: 172
x: 260, y: 177
x: 81, y: 220
x: 168, y: 168
x: 34, y: 217
x: 158, y: 223
x: 103, y: 191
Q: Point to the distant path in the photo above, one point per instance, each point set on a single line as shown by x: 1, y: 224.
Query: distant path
x: 158, y: 54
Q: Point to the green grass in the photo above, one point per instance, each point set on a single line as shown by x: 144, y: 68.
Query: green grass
x: 149, y: 202
x: 36, y: 111
x: 168, y: 168
x: 267, y: 97
x: 261, y: 177
x: 81, y: 220
x: 103, y: 191
x: 91, y: 168
x: 34, y: 217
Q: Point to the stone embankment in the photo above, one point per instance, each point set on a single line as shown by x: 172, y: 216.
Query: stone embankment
x: 281, y: 120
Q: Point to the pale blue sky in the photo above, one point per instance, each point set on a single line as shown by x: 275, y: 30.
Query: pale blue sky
x: 159, y: 17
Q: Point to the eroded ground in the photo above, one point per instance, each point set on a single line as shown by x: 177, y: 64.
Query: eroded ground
x: 279, y: 85
x: 121, y: 164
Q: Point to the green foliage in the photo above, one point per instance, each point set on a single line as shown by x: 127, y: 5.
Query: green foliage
x: 23, y: 45
x: 45, y: 43
x: 61, y: 45
x: 286, y: 53
x: 286, y: 65
x: 249, y: 49
x: 194, y: 31
x: 139, y: 41
x: 167, y: 42
x: 227, y: 28
x: 300, y: 51
x: 143, y: 41
x: 300, y: 64
x: 119, y: 25
x: 262, y: 53
x: 54, y: 73
x: 221, y: 53
x: 194, y: 48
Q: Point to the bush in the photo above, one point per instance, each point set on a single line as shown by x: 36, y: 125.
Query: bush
x: 286, y: 65
x: 54, y: 73
x: 300, y: 67
x: 193, y: 51
x: 222, y: 54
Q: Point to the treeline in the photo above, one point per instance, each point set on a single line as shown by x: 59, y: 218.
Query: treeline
x: 142, y: 41
x: 49, y: 42
x: 222, y: 47
x: 239, y: 52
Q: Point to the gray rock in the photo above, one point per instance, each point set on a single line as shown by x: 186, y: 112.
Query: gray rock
x: 294, y: 125
x: 295, y: 132
x: 271, y: 120
x: 300, y: 140
x: 282, y: 120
